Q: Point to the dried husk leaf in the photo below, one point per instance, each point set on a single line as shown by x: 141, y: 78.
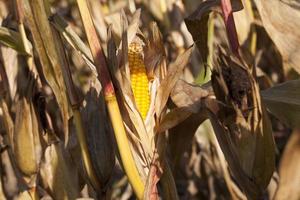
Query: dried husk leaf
x: 133, y: 121
x: 116, y: 22
x: 99, y: 136
x: 283, y: 100
x: 155, y: 55
x: 156, y: 170
x: 58, y: 178
x: 173, y: 74
x: 281, y: 20
x: 242, y: 126
x: 160, y: 170
x: 289, y: 170
x: 46, y: 47
x: 26, y: 138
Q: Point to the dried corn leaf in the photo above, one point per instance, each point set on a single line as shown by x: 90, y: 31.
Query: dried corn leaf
x: 99, y: 136
x: 74, y: 40
x: 189, y: 100
x: 46, y: 47
x: 242, y: 126
x: 174, y: 72
x: 283, y: 101
x: 13, y: 40
x: 281, y: 20
x: 173, y: 118
x: 188, y: 95
x: 9, y: 71
x: 289, y: 170
x: 56, y: 175
x: 155, y: 55
x: 197, y: 22
x: 116, y: 22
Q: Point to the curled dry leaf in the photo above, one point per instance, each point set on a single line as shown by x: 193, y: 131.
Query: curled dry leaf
x: 283, y: 101
x: 173, y: 74
x: 242, y: 126
x: 99, y: 136
x: 289, y: 169
x: 189, y: 99
x: 155, y: 55
x: 184, y: 120
x: 197, y: 22
x: 281, y: 20
x: 115, y: 21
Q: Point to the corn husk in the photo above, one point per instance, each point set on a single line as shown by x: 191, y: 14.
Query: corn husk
x: 99, y: 136
x: 242, y: 125
x: 58, y: 177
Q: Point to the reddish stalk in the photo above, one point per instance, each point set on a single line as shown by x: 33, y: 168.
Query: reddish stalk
x: 230, y: 26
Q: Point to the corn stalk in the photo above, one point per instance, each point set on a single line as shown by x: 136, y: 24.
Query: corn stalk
x: 111, y: 101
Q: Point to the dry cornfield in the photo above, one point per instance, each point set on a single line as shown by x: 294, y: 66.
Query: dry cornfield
x: 140, y: 99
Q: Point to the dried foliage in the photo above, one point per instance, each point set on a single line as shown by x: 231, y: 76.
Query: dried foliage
x: 160, y: 99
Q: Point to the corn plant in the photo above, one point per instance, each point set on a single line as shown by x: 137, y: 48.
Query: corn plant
x: 149, y: 99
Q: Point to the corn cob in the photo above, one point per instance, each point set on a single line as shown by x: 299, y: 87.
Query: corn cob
x: 138, y: 77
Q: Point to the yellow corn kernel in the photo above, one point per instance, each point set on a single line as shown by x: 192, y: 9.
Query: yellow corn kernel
x: 138, y: 77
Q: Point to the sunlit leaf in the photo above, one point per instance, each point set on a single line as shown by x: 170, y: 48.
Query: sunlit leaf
x: 288, y: 171
x: 283, y: 27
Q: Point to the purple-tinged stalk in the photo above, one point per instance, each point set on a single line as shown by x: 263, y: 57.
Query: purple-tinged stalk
x: 230, y: 26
